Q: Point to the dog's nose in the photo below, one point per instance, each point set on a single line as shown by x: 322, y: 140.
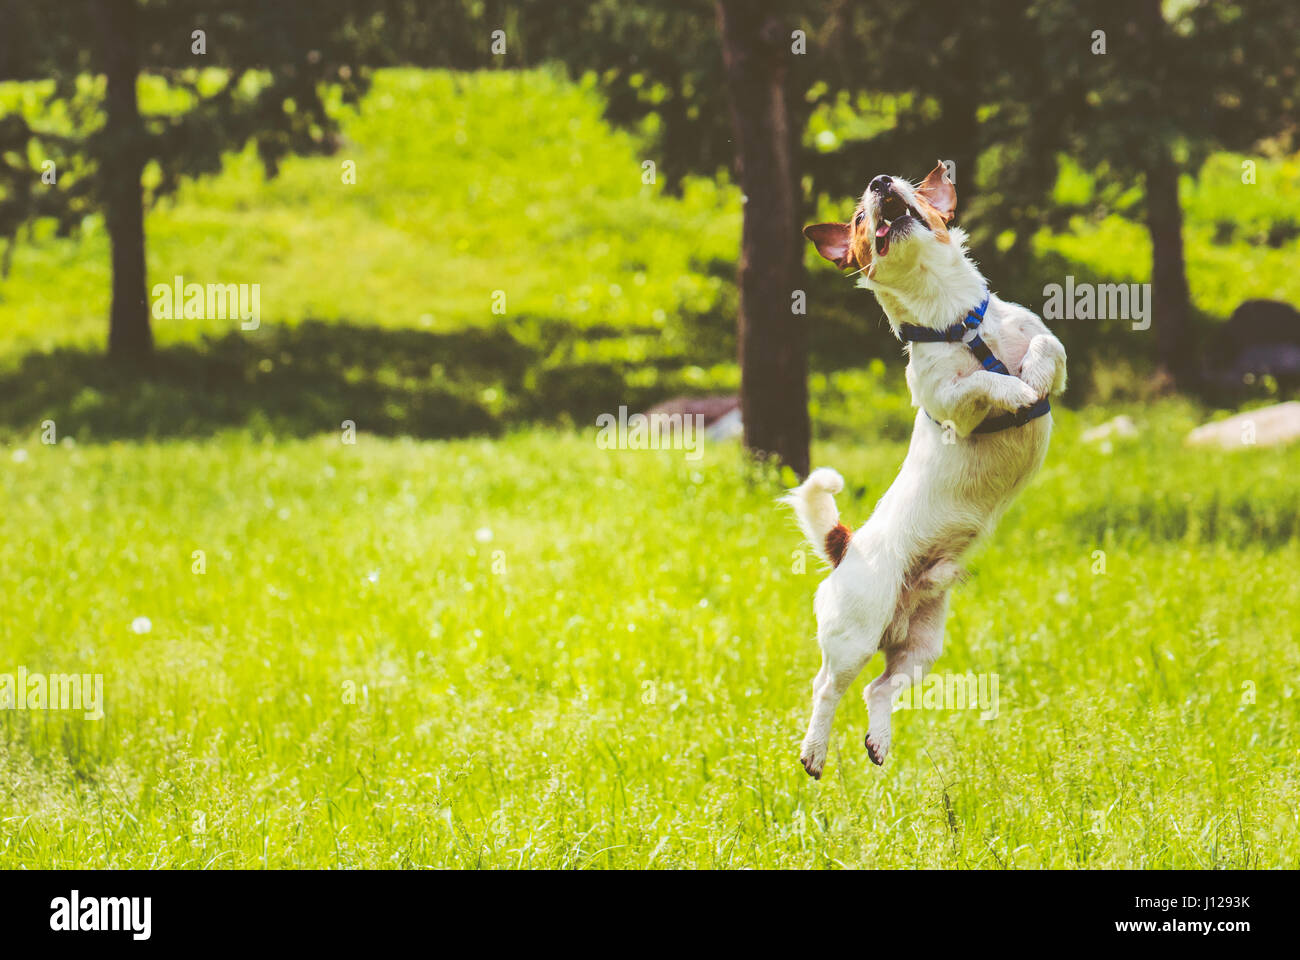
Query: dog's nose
x: 881, y: 185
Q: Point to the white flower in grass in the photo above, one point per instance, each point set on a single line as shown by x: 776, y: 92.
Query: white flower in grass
x: 141, y: 625
x: 373, y: 576
x: 20, y: 455
x: 483, y: 534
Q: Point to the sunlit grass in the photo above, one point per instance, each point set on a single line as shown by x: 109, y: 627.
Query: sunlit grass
x: 465, y: 185
x: 533, y: 652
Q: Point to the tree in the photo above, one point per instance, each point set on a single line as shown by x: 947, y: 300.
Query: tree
x: 658, y: 58
x: 723, y: 89
x: 756, y: 48
x: 271, y: 62
x: 1171, y: 90
x: 1137, y: 91
x: 122, y: 159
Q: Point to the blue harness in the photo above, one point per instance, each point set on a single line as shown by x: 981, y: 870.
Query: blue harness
x: 966, y: 331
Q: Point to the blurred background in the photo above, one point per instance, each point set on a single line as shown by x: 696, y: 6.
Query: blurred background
x: 370, y: 532
x: 583, y: 158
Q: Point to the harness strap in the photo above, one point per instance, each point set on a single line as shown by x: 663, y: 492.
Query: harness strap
x: 954, y: 334
x: 966, y: 331
x: 1016, y: 418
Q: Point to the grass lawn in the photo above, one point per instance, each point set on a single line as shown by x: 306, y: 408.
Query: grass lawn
x: 533, y: 652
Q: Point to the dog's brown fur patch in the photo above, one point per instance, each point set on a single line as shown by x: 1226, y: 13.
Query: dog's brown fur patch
x: 837, y: 541
x: 937, y: 200
x: 933, y: 218
x: 861, y: 243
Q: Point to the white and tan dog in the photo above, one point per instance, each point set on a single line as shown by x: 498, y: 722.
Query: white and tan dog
x: 979, y: 436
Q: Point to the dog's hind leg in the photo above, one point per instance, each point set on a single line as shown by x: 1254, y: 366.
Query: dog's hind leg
x: 906, y: 662
x: 854, y: 605
x: 844, y: 654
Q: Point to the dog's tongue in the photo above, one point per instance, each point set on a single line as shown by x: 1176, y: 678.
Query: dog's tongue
x: 882, y: 239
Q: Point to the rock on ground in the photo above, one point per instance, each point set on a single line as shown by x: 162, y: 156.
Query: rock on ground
x: 1264, y: 427
x: 1121, y: 426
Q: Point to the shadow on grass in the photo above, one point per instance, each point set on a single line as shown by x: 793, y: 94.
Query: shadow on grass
x: 296, y: 381
x: 1239, y: 520
x: 308, y: 379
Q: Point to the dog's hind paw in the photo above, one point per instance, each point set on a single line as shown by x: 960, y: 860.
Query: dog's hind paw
x: 877, y: 747
x: 813, y: 760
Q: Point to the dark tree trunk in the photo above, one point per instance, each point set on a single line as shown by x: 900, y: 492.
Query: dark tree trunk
x: 1171, y: 304
x: 772, y: 340
x: 1170, y: 298
x: 122, y: 164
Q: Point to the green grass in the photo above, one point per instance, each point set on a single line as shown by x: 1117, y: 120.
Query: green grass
x: 569, y: 657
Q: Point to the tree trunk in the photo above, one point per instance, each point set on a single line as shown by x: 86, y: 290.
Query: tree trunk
x: 121, y: 165
x: 1170, y: 298
x: 1171, y: 305
x: 772, y: 339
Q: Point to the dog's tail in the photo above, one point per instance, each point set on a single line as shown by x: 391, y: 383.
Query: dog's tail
x: 819, y: 519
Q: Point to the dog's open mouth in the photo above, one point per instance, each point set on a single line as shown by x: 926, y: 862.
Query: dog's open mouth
x: 896, y: 217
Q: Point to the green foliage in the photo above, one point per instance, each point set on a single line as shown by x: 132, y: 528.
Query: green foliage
x: 1242, y: 239
x: 257, y: 75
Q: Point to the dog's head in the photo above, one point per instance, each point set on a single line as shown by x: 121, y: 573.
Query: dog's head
x: 896, y: 228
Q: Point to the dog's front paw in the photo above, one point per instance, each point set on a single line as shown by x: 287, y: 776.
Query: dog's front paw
x: 1022, y: 395
x: 877, y: 742
x: 1039, y: 379
x: 813, y: 758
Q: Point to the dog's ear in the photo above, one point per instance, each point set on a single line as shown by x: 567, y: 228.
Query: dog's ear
x: 833, y: 241
x: 940, y: 192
